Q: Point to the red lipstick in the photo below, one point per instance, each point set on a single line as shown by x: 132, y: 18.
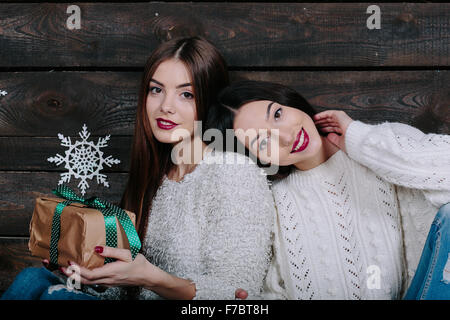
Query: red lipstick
x: 303, y: 138
x: 165, y: 124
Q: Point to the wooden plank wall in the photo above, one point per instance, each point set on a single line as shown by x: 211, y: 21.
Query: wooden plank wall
x: 56, y: 79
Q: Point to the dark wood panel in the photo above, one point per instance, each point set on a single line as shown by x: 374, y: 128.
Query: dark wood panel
x: 14, y: 257
x: 48, y: 103
x: 20, y: 189
x: 248, y: 34
x: 417, y: 98
x: 31, y: 153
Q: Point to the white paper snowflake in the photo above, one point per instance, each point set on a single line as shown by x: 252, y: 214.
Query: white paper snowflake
x: 83, y: 159
x: 3, y: 93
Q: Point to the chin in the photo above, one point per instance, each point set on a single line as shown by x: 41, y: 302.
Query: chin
x: 314, y: 145
x: 164, y: 139
x: 170, y: 136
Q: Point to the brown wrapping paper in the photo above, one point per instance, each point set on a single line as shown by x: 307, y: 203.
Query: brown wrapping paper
x: 82, y: 229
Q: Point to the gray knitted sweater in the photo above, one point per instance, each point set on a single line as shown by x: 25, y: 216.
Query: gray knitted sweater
x: 214, y: 227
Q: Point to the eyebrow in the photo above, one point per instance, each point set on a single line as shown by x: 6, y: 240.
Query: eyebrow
x: 179, y: 86
x: 267, y: 118
x: 268, y: 109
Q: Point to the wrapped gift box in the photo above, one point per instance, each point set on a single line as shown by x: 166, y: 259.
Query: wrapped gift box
x: 82, y: 229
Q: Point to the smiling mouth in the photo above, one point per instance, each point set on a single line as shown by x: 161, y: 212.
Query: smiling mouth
x: 165, y: 124
x: 301, y: 142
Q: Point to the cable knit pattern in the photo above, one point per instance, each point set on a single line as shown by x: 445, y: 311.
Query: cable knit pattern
x: 417, y: 164
x: 403, y: 155
x: 340, y: 197
x: 370, y: 208
x: 332, y: 233
x: 214, y: 227
x: 295, y: 248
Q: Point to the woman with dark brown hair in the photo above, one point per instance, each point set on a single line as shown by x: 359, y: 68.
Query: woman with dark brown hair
x: 363, y: 209
x: 204, y: 229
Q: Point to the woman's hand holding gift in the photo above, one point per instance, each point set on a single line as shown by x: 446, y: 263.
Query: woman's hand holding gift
x: 335, y: 123
x: 123, y: 272
x: 138, y: 272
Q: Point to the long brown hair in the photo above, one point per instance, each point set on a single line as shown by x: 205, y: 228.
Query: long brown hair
x: 150, y: 159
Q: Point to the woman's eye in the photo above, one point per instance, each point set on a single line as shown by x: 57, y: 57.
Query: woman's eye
x: 188, y: 95
x: 263, y: 144
x: 155, y: 90
x: 277, y: 114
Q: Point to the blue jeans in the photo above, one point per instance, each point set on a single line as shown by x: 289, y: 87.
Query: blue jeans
x: 41, y: 284
x: 430, y: 281
x: 432, y: 278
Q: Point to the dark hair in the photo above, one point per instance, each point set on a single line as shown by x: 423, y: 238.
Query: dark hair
x: 150, y: 159
x: 239, y: 93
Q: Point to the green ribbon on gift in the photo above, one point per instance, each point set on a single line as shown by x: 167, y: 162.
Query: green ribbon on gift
x: 110, y: 213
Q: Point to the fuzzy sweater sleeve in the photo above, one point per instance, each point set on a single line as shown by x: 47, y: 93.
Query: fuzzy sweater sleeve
x: 237, y: 237
x: 404, y: 156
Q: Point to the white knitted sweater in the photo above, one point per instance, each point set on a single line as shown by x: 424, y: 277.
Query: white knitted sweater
x: 354, y: 227
x: 212, y: 228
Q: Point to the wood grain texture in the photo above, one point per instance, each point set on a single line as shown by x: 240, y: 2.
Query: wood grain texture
x: 14, y: 257
x: 261, y: 41
x: 31, y: 153
x: 417, y: 98
x: 43, y: 104
x: 248, y: 34
x: 48, y: 103
x: 20, y: 189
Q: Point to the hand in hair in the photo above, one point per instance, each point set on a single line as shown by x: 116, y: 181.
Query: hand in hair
x: 335, y: 123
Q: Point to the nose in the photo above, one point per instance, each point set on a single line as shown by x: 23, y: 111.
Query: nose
x: 168, y: 104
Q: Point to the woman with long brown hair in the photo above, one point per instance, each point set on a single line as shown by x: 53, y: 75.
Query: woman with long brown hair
x: 190, y: 215
x: 363, y: 209
x: 204, y: 229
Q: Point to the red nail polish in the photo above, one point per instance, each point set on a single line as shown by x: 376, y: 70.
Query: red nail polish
x: 69, y: 263
x: 99, y: 249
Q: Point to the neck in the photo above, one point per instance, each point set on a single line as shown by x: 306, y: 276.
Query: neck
x: 186, y: 156
x: 326, y: 150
